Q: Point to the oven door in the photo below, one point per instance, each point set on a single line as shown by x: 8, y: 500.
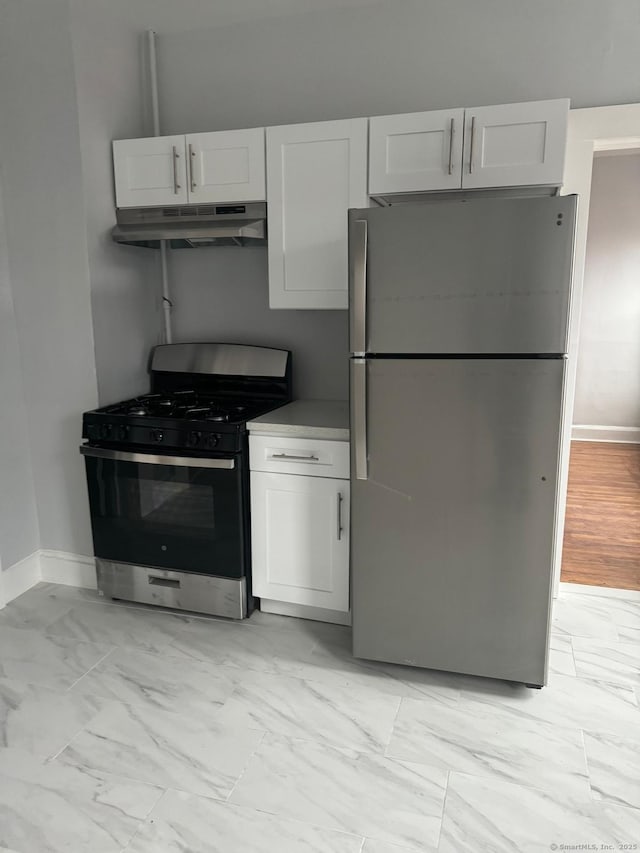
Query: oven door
x: 175, y: 512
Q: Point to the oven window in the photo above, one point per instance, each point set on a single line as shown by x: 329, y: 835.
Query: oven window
x: 174, y: 503
x: 168, y: 516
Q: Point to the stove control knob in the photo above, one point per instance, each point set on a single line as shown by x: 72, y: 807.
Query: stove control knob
x: 106, y: 430
x: 157, y: 435
x: 193, y: 439
x: 213, y: 440
x: 123, y: 432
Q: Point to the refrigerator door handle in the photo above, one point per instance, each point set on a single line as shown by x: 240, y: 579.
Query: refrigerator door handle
x: 359, y: 397
x: 358, y: 284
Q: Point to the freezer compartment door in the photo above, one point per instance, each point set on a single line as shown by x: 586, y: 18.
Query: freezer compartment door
x: 474, y: 276
x: 452, y: 520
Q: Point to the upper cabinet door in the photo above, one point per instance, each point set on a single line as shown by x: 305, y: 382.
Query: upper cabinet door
x: 515, y: 144
x: 150, y: 171
x: 226, y: 166
x: 315, y: 173
x: 415, y: 152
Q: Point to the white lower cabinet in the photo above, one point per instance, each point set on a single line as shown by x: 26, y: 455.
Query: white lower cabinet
x: 300, y: 539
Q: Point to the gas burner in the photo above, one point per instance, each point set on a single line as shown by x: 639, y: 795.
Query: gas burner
x: 218, y: 416
x: 197, y: 411
x: 138, y: 410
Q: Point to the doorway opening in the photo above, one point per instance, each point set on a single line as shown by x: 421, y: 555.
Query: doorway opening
x: 601, y: 546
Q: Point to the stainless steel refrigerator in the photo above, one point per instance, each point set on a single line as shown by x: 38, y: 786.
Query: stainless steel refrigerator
x: 458, y: 334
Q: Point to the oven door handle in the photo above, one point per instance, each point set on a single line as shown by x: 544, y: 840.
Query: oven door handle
x: 153, y: 459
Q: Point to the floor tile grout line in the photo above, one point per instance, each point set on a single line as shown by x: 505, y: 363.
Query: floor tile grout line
x: 573, y: 654
x: 142, y: 822
x: 586, y: 764
x: 393, y: 726
x: 253, y: 808
x: 444, y: 806
x: 326, y: 684
x: 540, y: 787
x: 91, y: 668
x: 246, y: 766
x: 339, y: 747
x: 53, y: 758
x: 290, y: 819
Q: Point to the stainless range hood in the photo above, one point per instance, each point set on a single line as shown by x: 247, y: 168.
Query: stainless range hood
x: 192, y: 226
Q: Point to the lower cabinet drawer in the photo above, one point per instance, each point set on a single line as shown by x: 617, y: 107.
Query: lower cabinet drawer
x: 278, y: 454
x: 300, y: 539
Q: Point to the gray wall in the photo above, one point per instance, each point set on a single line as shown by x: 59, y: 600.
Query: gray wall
x: 367, y: 60
x: 608, y: 380
x: 125, y: 288
x: 398, y: 55
x: 47, y: 250
x: 223, y: 294
x: 18, y: 517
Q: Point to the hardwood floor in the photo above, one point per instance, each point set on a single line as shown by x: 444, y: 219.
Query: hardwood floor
x: 602, y: 529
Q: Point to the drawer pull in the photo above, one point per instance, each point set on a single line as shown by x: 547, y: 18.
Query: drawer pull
x: 295, y: 458
x: 170, y: 582
x: 339, y: 526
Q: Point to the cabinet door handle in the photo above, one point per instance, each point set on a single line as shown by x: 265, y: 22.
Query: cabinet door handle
x: 339, y: 525
x: 473, y: 133
x: 450, y: 171
x: 176, y: 185
x: 291, y: 456
x: 192, y: 155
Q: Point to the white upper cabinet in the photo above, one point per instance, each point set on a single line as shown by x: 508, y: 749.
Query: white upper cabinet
x: 315, y: 173
x: 515, y: 144
x: 507, y: 145
x: 415, y: 152
x: 226, y: 166
x: 150, y: 171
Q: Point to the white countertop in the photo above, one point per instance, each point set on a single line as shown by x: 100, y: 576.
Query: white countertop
x: 306, y: 419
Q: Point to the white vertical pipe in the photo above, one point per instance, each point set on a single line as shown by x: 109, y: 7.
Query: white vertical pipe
x: 155, y: 114
x: 153, y: 81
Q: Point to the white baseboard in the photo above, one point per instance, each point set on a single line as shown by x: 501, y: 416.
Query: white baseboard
x: 19, y: 578
x: 302, y: 611
x: 589, y: 432
x: 68, y: 569
x: 51, y: 566
x: 602, y: 591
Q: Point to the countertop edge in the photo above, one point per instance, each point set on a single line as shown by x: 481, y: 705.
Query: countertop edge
x: 305, y: 419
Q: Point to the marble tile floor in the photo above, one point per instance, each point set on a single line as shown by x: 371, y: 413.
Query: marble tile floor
x: 125, y: 728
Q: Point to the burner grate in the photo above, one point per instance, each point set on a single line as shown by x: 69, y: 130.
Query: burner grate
x: 188, y: 405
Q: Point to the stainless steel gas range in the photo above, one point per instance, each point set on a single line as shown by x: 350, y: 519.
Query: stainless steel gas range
x: 168, y: 477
